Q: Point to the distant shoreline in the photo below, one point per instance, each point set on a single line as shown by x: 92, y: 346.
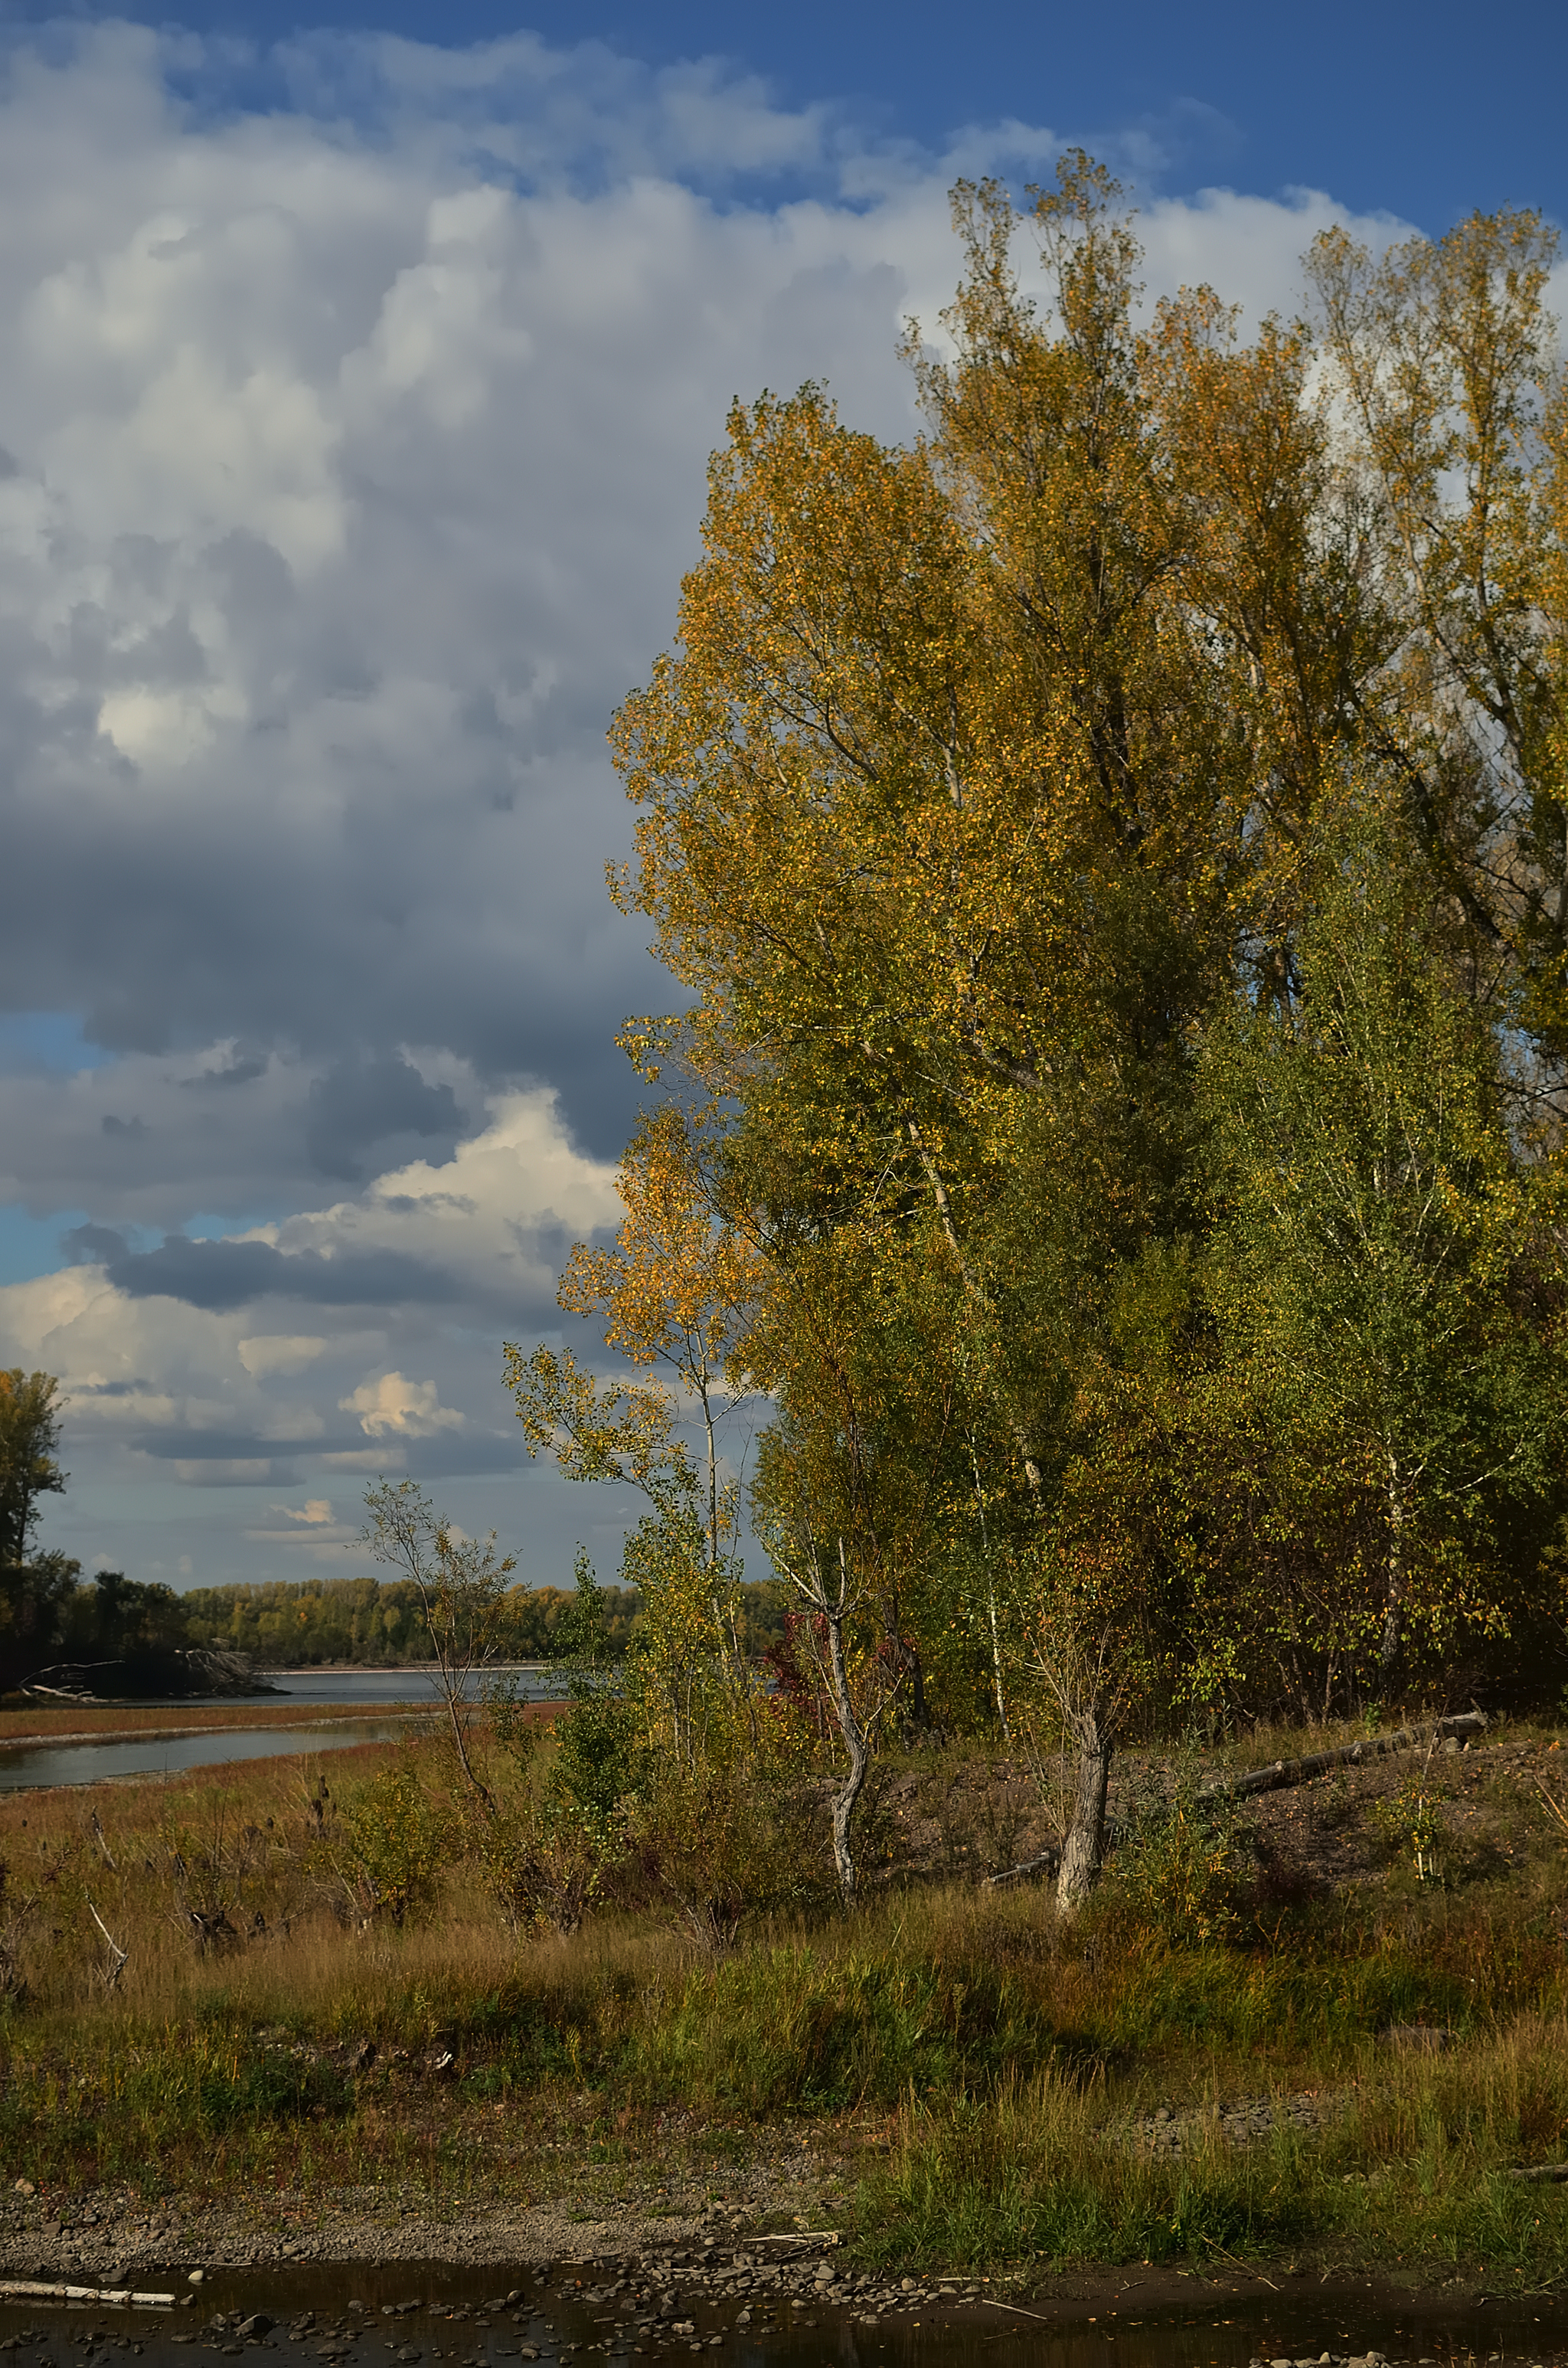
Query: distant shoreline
x: 392, y: 1669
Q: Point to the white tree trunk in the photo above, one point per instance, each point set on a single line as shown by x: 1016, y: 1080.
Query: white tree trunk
x: 846, y: 1799
x: 1393, y: 1600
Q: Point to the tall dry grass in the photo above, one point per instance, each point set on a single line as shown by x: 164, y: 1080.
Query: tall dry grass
x: 996, y: 2064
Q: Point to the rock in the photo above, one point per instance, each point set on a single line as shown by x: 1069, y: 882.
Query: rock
x: 195, y: 2277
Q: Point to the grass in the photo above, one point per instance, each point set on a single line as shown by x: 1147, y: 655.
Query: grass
x: 982, y: 2073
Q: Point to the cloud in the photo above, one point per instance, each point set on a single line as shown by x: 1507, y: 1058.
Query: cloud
x: 168, y: 1379
x: 234, y: 1273
x: 356, y: 427
x: 280, y: 1352
x: 361, y: 1103
x: 310, y: 1530
x: 392, y: 1405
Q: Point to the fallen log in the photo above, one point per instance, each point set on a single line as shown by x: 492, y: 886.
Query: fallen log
x: 1281, y: 1775
x: 1553, y: 2174
x: 45, y: 2290
x: 1046, y: 1864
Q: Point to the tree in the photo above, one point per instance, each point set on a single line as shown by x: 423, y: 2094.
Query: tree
x: 461, y: 1588
x: 33, y: 1587
x: 673, y: 1290
x: 1063, y: 1076
x: 30, y: 1408
x: 1382, y: 1273
x: 937, y: 812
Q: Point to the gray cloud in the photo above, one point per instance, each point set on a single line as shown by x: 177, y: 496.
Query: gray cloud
x: 361, y: 1103
x: 223, y: 1275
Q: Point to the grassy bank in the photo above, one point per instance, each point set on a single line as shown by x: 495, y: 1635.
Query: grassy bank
x: 988, y: 2085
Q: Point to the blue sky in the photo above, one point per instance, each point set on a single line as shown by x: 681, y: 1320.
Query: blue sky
x: 360, y: 372
x: 1428, y: 111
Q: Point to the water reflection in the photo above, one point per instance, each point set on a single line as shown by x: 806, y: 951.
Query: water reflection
x: 31, y: 1767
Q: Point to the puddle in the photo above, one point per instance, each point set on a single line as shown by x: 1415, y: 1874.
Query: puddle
x: 403, y: 2316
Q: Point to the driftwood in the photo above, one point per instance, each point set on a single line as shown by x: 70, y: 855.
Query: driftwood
x: 39, y: 2289
x: 160, y: 1675
x: 118, y: 1958
x: 1046, y: 1864
x: 1281, y: 1775
x: 1549, y: 2173
x: 794, y: 2238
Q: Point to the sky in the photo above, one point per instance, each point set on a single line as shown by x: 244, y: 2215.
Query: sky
x: 359, y: 373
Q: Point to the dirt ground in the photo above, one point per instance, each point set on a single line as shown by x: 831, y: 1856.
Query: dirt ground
x: 982, y: 1817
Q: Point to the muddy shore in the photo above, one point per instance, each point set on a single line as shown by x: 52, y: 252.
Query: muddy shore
x: 691, y: 2255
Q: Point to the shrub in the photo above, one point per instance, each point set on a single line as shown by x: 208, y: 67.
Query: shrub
x: 400, y: 1843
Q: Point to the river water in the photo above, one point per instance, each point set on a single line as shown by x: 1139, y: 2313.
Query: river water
x: 31, y: 1767
x: 408, y: 2316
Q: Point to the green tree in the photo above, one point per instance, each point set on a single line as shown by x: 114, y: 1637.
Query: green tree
x: 1382, y: 1274
x: 30, y: 1410
x: 34, y: 1588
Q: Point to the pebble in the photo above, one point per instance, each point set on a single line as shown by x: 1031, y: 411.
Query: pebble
x: 1245, y: 2122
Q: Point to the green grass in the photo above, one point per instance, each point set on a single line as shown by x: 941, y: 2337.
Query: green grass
x: 1412, y: 2169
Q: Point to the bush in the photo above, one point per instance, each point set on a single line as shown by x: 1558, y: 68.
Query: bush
x: 1179, y: 1868
x: 401, y: 1845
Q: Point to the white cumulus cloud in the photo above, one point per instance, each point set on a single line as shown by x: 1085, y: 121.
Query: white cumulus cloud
x: 390, y: 1405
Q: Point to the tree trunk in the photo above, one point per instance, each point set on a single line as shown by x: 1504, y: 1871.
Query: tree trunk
x: 1084, y: 1846
x: 846, y: 1799
x: 996, y: 1672
x: 1393, y: 1606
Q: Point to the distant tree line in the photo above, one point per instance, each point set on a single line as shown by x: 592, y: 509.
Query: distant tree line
x: 369, y: 1622
x: 49, y: 1614
x: 304, y: 1624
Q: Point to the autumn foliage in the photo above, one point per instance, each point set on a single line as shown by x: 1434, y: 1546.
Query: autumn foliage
x: 1114, y: 853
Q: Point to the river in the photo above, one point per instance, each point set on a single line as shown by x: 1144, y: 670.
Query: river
x: 33, y: 1767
